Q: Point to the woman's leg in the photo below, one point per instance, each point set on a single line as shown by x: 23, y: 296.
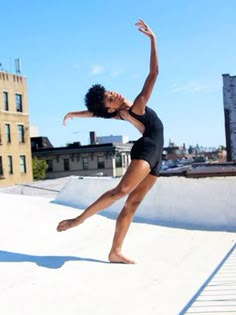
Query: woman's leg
x: 136, y: 172
x: 125, y: 217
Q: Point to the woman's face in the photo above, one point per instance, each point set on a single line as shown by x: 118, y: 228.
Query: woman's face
x: 113, y: 101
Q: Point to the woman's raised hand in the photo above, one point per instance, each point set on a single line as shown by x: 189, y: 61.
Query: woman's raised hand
x: 144, y: 28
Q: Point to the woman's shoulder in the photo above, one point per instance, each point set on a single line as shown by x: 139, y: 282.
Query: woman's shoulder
x: 147, y: 111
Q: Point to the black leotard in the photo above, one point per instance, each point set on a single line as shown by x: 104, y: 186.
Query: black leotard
x: 149, y: 147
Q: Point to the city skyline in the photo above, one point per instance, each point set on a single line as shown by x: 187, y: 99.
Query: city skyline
x: 65, y: 47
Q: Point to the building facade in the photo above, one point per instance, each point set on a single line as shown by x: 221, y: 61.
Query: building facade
x: 112, y: 139
x: 82, y: 160
x: 229, y: 98
x: 15, y: 148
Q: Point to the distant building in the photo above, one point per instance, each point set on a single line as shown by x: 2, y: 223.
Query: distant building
x: 197, y: 154
x: 107, y: 159
x: 173, y: 152
x: 112, y: 139
x: 229, y: 97
x: 34, y: 132
x: 40, y: 143
x: 15, y: 149
x: 107, y: 139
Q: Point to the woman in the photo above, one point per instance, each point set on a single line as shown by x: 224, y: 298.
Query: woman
x: 146, y: 152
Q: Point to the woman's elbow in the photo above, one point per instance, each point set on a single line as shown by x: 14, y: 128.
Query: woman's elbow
x: 157, y: 71
x: 154, y: 73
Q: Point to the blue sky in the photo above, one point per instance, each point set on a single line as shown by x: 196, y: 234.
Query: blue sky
x: 66, y: 46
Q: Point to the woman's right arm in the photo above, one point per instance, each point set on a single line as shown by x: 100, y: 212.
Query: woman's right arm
x: 81, y: 114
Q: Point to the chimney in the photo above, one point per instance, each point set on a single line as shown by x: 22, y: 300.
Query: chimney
x: 92, y: 137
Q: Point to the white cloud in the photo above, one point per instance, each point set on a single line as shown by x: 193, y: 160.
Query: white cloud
x: 96, y: 69
x: 116, y: 73
x: 195, y: 87
x: 191, y: 86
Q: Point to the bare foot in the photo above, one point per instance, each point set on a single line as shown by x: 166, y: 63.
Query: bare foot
x: 119, y: 258
x: 67, y: 224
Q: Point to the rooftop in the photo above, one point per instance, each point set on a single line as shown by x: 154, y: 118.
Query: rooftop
x: 181, y: 258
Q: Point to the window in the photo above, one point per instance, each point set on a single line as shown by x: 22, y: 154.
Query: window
x: 21, y: 133
x: 49, y: 164
x: 1, y: 167
x: 5, y: 101
x: 101, y: 163
x: 8, y: 133
x: 85, y: 163
x: 19, y: 103
x: 118, y: 161
x: 22, y: 164
x: 9, y: 165
x: 66, y: 164
x: 125, y: 160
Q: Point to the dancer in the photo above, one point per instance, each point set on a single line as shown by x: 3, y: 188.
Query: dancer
x: 146, y: 152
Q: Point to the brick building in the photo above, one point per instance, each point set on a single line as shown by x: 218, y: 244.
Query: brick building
x: 15, y: 149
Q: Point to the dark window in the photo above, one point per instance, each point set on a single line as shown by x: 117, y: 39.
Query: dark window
x: 118, y: 161
x: 21, y: 133
x: 19, y: 107
x: 22, y: 164
x: 5, y: 101
x: 101, y: 163
x: 1, y: 167
x: 50, y: 166
x: 85, y: 163
x: 10, y: 164
x: 66, y: 164
x: 8, y: 133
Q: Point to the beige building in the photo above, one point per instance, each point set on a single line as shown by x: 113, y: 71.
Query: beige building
x: 15, y: 149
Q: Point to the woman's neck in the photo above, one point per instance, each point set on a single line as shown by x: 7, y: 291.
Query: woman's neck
x: 126, y: 105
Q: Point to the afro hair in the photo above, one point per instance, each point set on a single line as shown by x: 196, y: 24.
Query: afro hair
x: 94, y: 101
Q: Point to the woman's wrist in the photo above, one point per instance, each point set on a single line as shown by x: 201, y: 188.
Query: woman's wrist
x: 153, y: 37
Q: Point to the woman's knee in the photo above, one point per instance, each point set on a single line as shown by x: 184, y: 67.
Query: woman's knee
x: 136, y: 197
x: 133, y: 202
x: 121, y: 190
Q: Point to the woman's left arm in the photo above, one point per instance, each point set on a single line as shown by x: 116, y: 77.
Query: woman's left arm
x: 143, y: 97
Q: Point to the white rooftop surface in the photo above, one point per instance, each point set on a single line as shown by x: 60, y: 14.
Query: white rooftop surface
x: 180, y: 239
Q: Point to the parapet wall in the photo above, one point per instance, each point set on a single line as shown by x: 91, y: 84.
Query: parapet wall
x: 206, y: 203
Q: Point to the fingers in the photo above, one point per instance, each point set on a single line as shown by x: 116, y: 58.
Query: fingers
x: 142, y: 24
x: 64, y: 121
x: 144, y: 28
x: 140, y: 21
x: 67, y: 116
